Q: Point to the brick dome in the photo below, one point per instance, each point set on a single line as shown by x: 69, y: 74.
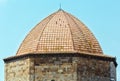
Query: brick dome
x: 60, y: 33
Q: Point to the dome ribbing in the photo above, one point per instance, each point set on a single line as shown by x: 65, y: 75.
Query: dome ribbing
x: 60, y: 33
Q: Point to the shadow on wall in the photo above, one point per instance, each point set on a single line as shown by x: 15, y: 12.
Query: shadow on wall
x: 52, y: 80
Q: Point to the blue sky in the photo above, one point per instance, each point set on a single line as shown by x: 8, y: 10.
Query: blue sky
x: 18, y: 17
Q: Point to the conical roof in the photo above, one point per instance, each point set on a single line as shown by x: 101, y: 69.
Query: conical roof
x: 60, y: 32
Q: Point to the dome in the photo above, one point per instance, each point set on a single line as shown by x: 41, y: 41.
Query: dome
x: 60, y: 32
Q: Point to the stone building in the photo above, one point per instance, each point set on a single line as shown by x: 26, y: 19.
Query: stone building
x: 60, y: 48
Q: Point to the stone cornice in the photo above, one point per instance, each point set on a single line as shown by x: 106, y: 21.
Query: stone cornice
x: 100, y: 57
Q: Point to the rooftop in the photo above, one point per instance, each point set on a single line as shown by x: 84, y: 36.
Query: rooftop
x: 60, y: 32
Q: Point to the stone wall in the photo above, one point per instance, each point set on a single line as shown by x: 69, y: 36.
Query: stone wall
x: 54, y: 69
x: 57, y: 68
x: 90, y: 69
x: 112, y: 71
x: 69, y: 69
x: 17, y: 70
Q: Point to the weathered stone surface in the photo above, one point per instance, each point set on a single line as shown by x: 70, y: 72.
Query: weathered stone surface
x: 54, y: 68
x: 58, y: 68
x: 17, y: 70
x: 93, y: 70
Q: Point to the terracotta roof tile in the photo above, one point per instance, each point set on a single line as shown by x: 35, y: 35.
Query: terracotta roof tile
x: 60, y: 32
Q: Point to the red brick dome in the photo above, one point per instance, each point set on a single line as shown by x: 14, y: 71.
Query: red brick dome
x: 60, y: 33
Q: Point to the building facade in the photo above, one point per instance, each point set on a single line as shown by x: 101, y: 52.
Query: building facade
x: 60, y: 48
